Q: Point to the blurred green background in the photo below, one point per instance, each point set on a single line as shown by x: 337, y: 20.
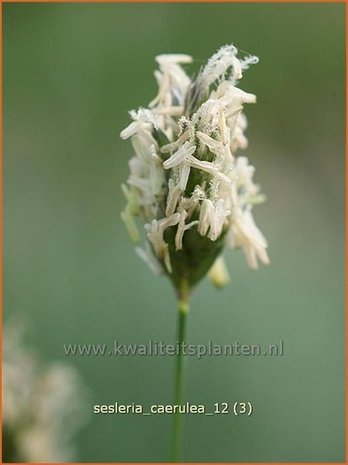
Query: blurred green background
x: 71, y: 73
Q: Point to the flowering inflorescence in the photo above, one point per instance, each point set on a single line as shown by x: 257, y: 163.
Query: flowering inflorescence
x: 43, y: 405
x: 186, y: 184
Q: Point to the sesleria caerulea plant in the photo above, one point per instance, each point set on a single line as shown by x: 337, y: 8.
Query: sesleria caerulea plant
x: 43, y: 405
x: 187, y: 189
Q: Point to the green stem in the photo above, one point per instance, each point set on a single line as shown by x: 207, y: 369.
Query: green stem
x: 183, y: 307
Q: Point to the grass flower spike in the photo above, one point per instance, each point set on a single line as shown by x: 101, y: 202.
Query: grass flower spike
x: 187, y: 189
x: 43, y: 405
x: 186, y: 184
